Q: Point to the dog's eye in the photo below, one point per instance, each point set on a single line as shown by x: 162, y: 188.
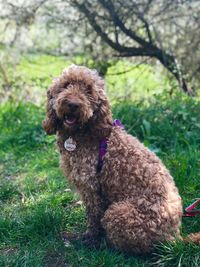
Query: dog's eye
x: 65, y: 85
x: 89, y: 90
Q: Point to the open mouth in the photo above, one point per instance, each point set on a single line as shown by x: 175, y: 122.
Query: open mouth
x: 70, y: 120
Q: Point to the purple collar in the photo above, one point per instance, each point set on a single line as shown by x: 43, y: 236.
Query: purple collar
x: 103, y: 146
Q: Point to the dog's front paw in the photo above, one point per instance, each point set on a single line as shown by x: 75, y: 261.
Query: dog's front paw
x: 88, y: 238
x: 68, y: 236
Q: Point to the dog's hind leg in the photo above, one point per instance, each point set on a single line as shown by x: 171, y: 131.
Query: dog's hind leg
x: 129, y: 229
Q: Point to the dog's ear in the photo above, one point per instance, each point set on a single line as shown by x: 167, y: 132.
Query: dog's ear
x: 50, y: 123
x: 102, y: 118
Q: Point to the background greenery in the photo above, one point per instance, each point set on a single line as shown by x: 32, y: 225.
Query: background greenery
x: 37, y: 203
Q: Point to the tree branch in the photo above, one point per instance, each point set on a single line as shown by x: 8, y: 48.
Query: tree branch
x: 133, y: 51
x: 108, y: 5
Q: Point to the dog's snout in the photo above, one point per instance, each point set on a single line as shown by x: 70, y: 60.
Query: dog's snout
x: 73, y: 106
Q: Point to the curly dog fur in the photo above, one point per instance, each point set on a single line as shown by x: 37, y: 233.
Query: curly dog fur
x: 133, y: 200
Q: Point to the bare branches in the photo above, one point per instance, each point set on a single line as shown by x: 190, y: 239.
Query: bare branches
x: 24, y: 14
x: 124, y: 50
x: 127, y: 70
x: 139, y: 45
x: 119, y: 23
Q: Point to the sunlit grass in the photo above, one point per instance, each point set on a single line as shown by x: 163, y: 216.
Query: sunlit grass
x: 124, y: 80
x: 127, y: 81
x: 40, y: 69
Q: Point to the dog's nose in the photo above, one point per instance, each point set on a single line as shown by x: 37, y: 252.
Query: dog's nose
x: 73, y: 106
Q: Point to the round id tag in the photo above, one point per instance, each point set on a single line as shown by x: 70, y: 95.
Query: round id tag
x: 70, y: 144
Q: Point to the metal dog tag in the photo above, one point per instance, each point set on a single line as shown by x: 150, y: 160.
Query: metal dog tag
x: 70, y: 144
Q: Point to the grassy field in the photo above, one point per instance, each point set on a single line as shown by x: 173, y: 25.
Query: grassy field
x: 37, y: 203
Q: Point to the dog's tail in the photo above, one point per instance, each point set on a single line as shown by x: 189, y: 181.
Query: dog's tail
x: 192, y: 238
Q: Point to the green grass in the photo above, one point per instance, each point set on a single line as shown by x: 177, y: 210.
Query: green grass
x: 35, y: 205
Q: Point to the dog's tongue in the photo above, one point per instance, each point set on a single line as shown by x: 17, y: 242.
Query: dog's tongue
x: 70, y: 120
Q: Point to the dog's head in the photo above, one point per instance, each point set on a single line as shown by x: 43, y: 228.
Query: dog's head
x: 77, y: 100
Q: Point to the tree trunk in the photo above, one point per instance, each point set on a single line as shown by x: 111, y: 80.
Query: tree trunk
x: 169, y: 62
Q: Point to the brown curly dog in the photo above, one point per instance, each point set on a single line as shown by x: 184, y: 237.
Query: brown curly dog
x: 132, y: 199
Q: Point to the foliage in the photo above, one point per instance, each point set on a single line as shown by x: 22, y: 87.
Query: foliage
x: 157, y: 120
